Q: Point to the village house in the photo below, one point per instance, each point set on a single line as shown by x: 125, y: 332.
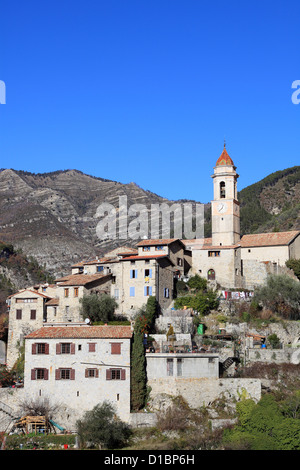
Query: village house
x: 79, y: 367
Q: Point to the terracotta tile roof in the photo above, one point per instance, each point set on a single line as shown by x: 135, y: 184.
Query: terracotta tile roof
x: 81, y: 279
x: 70, y: 332
x: 54, y: 301
x: 159, y: 241
x: 31, y: 291
x: 268, y: 239
x: 224, y: 159
x: 145, y: 257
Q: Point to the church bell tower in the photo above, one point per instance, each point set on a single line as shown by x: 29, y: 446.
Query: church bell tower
x: 225, y: 208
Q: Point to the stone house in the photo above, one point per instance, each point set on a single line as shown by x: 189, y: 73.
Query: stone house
x: 79, y: 366
x: 27, y: 312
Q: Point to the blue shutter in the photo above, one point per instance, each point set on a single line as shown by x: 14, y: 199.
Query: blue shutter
x: 145, y: 290
x: 136, y: 271
x: 150, y: 272
x: 132, y: 292
x: 150, y: 290
x: 131, y: 273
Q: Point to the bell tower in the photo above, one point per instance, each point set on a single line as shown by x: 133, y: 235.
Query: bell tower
x: 225, y: 208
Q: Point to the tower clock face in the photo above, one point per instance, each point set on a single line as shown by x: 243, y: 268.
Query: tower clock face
x: 222, y: 207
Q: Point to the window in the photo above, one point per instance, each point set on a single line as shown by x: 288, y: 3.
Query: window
x: 93, y: 373
x: 40, y: 348
x: 179, y: 367
x: 222, y: 190
x: 147, y: 290
x: 116, y: 294
x: 115, y: 374
x: 166, y: 292
x: 66, y: 292
x: 133, y: 274
x: 65, y: 374
x: 65, y: 348
x: 75, y: 291
x: 100, y: 268
x: 148, y: 273
x: 159, y: 248
x: 146, y: 248
x: 115, y: 348
x: 132, y: 291
x: 213, y: 254
x: 39, y: 374
x: 92, y: 347
x: 179, y: 261
x: 169, y: 367
x: 21, y: 301
x: 19, y: 314
x: 32, y: 314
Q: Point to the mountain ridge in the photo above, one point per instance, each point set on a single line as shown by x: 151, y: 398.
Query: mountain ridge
x: 52, y: 216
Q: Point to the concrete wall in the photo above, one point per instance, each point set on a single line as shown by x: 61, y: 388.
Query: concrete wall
x: 160, y: 365
x: 203, y: 391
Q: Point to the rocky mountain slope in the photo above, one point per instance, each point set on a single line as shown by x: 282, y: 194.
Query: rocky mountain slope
x: 52, y: 216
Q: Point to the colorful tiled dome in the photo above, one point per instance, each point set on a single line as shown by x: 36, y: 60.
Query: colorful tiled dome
x: 224, y: 158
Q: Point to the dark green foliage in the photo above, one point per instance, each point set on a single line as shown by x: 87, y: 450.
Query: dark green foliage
x: 280, y: 294
x: 263, y: 426
x: 197, y: 283
x: 203, y: 301
x: 101, y: 427
x: 294, y: 264
x: 98, y: 308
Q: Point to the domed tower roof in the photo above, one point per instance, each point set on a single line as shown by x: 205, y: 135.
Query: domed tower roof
x: 224, y: 158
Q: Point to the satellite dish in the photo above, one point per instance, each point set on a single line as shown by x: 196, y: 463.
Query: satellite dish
x: 87, y: 321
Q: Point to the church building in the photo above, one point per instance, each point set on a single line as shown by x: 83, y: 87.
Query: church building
x: 228, y: 259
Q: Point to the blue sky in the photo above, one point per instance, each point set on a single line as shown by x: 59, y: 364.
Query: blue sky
x: 146, y: 91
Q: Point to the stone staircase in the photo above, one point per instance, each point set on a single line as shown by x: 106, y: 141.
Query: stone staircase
x: 7, y: 417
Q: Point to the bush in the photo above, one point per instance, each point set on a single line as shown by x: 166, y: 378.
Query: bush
x: 98, y: 308
x: 281, y: 294
x: 101, y: 427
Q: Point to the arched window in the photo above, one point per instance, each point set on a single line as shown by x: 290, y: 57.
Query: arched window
x: 222, y: 190
x: 211, y: 275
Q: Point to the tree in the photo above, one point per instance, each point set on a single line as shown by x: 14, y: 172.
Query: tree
x: 197, y: 283
x: 101, y: 427
x: 138, y: 364
x: 98, y: 308
x: 280, y: 294
x: 294, y: 264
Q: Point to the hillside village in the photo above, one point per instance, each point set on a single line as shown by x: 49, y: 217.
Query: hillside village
x: 79, y: 363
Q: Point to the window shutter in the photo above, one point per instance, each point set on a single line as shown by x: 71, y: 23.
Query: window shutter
x: 57, y: 374
x: 123, y: 374
x: 58, y: 348
x: 136, y: 273
x: 33, y: 349
x: 115, y: 348
x: 150, y: 290
x: 92, y: 347
x: 132, y: 292
x: 86, y: 373
x: 32, y: 374
x: 131, y: 273
x: 145, y: 290
x: 46, y: 348
x: 96, y: 373
x: 46, y: 374
x: 108, y: 374
x: 72, y: 374
x: 72, y: 348
x: 150, y: 272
